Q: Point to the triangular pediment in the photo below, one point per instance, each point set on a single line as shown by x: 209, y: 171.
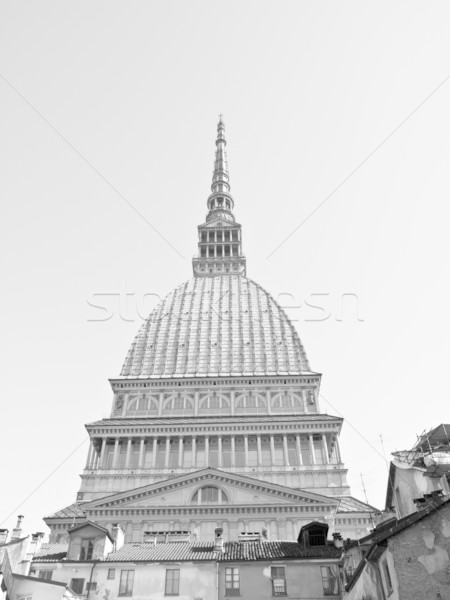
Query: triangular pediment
x: 238, y: 490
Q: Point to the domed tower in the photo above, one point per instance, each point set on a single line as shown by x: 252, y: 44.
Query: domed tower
x: 215, y: 419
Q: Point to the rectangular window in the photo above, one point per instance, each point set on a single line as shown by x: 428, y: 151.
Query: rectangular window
x: 91, y: 585
x: 387, y: 578
x: 172, y: 582
x: 76, y: 585
x: 330, y: 582
x: 278, y: 581
x: 126, y: 583
x: 87, y: 548
x: 232, y: 583
x: 45, y: 574
x: 111, y: 573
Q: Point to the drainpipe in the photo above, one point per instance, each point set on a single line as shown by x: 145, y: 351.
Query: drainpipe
x: 90, y: 579
x: 217, y: 579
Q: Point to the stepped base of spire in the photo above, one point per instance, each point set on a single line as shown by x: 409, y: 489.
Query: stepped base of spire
x: 212, y: 267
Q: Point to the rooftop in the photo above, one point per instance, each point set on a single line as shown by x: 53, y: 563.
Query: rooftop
x: 201, y: 551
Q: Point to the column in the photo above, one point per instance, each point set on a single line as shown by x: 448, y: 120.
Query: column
x: 207, y: 451
x: 116, y: 453
x: 259, y: 450
x: 269, y: 410
x: 128, y: 455
x: 166, y: 460
x: 231, y: 397
x: 311, y: 450
x: 325, y: 449
x: 90, y: 454
x: 338, y: 453
x: 194, y: 451
x: 299, y: 449
x: 246, y: 450
x: 272, y: 450
x: 141, y: 454
x: 155, y: 450
x: 161, y: 402
x: 102, y: 454
x: 196, y: 399
x: 219, y: 451
x: 285, y: 451
x: 180, y: 453
x: 233, y: 451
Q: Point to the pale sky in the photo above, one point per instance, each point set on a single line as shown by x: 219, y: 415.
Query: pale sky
x: 308, y: 90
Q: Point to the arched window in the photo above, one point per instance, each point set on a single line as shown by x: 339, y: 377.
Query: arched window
x: 209, y: 495
x: 179, y: 402
x: 288, y: 402
x: 216, y: 401
x: 251, y: 402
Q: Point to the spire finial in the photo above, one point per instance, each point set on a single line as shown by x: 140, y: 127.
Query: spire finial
x: 220, y: 181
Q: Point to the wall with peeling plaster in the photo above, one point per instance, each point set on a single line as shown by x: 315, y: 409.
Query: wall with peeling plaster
x: 421, y: 557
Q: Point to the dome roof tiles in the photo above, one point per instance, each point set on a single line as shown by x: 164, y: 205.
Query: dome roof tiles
x: 216, y: 326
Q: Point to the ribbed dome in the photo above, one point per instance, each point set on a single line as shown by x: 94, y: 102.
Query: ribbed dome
x: 216, y: 326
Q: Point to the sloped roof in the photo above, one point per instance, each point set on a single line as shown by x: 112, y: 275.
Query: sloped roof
x: 91, y: 524
x: 201, y: 551
x: 51, y: 552
x: 71, y: 511
x: 351, y: 504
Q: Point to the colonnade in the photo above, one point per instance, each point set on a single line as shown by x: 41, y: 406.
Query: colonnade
x: 230, y: 451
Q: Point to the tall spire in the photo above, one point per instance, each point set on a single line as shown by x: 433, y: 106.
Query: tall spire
x: 220, y: 241
x: 220, y: 197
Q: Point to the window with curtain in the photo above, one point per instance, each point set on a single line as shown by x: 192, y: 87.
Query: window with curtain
x: 126, y: 582
x: 87, y: 549
x: 330, y: 581
x: 232, y: 582
x: 278, y: 576
x: 172, y: 582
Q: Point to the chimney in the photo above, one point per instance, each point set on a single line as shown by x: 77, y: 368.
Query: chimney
x: 36, y: 541
x: 17, y: 531
x: 118, y: 535
x: 3, y: 536
x: 337, y: 540
x: 218, y: 539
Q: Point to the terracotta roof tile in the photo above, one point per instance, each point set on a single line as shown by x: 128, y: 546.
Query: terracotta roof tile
x: 233, y: 551
x: 51, y: 552
x: 183, y: 551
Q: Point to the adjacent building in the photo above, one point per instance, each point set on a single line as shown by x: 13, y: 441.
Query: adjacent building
x: 408, y: 558
x: 417, y: 473
x: 170, y: 564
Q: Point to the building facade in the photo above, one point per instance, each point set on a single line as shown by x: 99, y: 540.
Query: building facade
x: 171, y: 565
x: 215, y: 418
